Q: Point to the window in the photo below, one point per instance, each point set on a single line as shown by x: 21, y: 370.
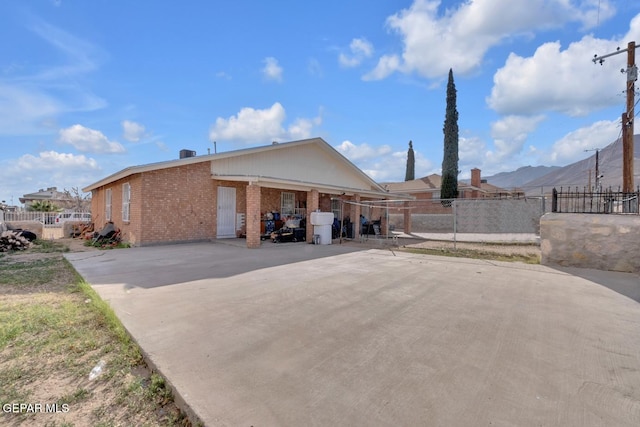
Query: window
x: 126, y: 196
x: 287, y: 203
x: 107, y: 204
x: 336, y: 209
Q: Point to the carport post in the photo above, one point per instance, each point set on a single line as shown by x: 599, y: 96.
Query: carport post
x: 356, y: 209
x: 313, y: 203
x: 253, y: 215
x: 407, y: 218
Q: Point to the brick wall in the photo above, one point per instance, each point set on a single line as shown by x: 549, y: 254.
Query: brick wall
x: 167, y: 205
x: 254, y: 216
x: 177, y: 204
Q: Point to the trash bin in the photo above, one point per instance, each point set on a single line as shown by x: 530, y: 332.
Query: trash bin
x: 316, y: 239
x: 322, y: 223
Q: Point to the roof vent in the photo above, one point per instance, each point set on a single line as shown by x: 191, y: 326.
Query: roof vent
x: 187, y: 153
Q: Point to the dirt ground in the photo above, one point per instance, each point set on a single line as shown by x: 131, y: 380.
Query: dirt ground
x: 55, y: 369
x: 503, y: 249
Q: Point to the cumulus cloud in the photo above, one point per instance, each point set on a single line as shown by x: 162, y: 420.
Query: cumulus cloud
x: 132, y: 131
x: 29, y: 172
x: 572, y: 146
x: 359, y: 48
x: 252, y: 125
x: 89, y: 140
x: 382, y: 163
x: 272, y: 70
x: 52, y: 161
x: 550, y: 80
x: 510, y: 134
x: 362, y: 151
x: 431, y: 36
x: 566, y: 81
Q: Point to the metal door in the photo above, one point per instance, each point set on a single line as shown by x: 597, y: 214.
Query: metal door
x: 226, y: 222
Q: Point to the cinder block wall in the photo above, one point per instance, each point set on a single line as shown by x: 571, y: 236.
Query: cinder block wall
x: 603, y: 242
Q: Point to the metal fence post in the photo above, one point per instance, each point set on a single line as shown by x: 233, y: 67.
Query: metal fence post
x: 455, y: 223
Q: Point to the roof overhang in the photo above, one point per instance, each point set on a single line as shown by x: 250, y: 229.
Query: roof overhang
x: 286, y: 184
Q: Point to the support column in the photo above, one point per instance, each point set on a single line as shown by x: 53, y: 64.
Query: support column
x: 407, y: 218
x: 253, y: 216
x: 355, y: 217
x: 384, y: 221
x: 313, y: 202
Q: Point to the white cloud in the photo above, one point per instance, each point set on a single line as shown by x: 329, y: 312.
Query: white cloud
x: 132, y: 131
x: 387, y: 64
x: 272, y: 70
x: 89, y: 140
x: 431, y: 37
x: 360, y: 48
x: 52, y: 161
x: 572, y: 146
x: 47, y: 169
x: 510, y: 133
x: 362, y: 151
x: 382, y: 163
x: 566, y: 81
x: 259, y: 126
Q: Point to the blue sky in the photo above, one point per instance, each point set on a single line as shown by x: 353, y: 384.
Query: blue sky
x: 89, y: 88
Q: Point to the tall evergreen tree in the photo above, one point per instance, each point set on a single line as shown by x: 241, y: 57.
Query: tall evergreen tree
x: 449, y: 186
x: 411, y: 164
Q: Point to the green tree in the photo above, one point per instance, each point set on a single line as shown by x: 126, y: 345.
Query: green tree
x: 449, y: 186
x: 411, y: 164
x: 43, y: 206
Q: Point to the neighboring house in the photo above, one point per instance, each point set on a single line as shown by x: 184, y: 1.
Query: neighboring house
x: 51, y: 194
x: 428, y: 188
x: 232, y: 193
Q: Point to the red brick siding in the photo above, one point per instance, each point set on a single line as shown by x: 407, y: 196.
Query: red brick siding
x: 175, y: 204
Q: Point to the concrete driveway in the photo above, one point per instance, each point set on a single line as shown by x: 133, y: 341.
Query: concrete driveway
x: 297, y: 334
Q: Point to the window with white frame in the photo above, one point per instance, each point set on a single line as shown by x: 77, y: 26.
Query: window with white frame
x: 126, y: 197
x: 287, y: 203
x: 336, y: 208
x: 107, y: 204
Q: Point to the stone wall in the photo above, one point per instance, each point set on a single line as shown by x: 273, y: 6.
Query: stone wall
x: 603, y: 242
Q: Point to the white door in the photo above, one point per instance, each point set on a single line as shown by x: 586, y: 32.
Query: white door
x: 226, y: 212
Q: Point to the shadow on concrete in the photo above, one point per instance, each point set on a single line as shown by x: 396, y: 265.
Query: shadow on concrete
x: 627, y: 284
x: 154, y: 266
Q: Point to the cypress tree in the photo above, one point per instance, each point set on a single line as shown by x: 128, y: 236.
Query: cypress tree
x: 411, y: 164
x: 449, y: 186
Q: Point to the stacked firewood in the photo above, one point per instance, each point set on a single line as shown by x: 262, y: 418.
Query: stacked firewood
x: 13, y: 241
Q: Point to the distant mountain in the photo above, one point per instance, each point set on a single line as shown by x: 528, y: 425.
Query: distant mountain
x: 577, y: 174
x: 520, y: 176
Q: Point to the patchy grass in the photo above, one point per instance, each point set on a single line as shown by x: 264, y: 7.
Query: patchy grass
x: 53, y: 330
x: 475, y: 254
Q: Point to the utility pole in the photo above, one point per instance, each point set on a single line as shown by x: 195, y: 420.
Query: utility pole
x: 597, y: 150
x: 627, y: 118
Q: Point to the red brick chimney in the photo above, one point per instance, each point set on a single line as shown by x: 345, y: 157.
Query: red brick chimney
x: 476, y: 181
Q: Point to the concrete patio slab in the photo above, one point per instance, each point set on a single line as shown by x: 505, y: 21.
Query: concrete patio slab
x: 333, y: 335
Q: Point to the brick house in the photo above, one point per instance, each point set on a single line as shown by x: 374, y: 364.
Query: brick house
x: 225, y: 195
